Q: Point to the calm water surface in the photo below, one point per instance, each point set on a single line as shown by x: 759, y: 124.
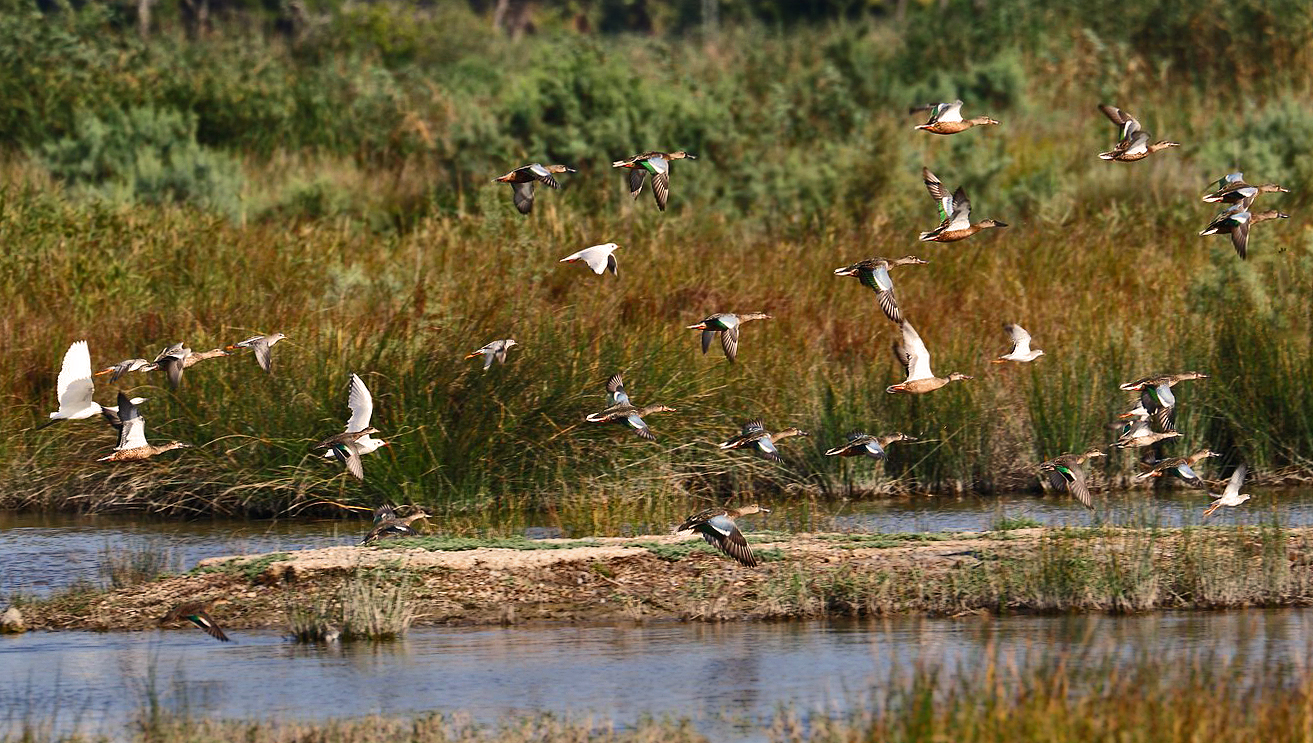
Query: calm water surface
x: 42, y: 553
x: 729, y: 679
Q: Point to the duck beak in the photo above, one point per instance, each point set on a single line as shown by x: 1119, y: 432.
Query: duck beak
x: 699, y: 326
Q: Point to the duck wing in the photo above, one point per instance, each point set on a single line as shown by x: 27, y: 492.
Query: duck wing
x: 918, y: 356
x: 615, y: 389
x: 729, y: 343
x: 636, y: 177
x: 132, y: 435
x: 203, y: 620
x: 522, y: 195
x: 722, y: 533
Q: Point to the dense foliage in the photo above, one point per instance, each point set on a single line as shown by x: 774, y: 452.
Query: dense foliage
x: 334, y: 183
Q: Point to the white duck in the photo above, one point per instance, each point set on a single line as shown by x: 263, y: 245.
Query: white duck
x: 600, y: 258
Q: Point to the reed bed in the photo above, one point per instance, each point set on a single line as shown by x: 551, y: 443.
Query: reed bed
x: 143, y: 562
x: 375, y: 241
x: 368, y: 606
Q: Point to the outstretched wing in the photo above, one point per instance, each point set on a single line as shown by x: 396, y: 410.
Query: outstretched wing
x: 75, y: 387
x: 133, y: 433
x: 361, y: 404
x: 522, y: 195
x: 729, y: 343
x: 636, y: 176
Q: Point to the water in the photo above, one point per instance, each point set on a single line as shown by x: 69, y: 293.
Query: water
x: 729, y: 679
x: 42, y: 553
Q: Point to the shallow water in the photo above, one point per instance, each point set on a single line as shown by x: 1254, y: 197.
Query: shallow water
x: 44, y: 552
x: 729, y: 679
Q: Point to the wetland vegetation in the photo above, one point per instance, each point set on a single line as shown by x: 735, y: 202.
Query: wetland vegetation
x: 337, y: 187
x: 1057, y: 696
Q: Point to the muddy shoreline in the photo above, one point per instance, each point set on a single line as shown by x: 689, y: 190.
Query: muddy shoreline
x: 666, y: 577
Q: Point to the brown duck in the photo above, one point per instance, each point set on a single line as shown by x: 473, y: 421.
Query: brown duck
x: 716, y: 525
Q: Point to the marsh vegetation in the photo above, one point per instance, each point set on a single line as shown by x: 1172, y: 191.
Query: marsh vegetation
x: 337, y: 188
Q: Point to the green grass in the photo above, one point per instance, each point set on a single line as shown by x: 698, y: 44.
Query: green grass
x: 338, y: 191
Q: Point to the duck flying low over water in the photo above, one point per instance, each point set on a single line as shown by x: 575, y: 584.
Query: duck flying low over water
x: 133, y: 446
x: 392, y: 527
x: 954, y: 213
x: 361, y: 404
x: 1231, y: 497
x: 874, y: 274
x: 1232, y: 189
x: 1237, y: 222
x: 1181, y: 467
x: 862, y: 444
x: 717, y: 526
x: 727, y: 324
x: 198, y: 613
x: 262, y: 345
x: 523, y: 178
x: 1021, y: 351
x: 495, y: 351
x: 75, y: 388
x: 620, y: 410
x: 599, y: 258
x: 127, y: 366
x: 1065, y: 473
x: 1133, y: 143
x: 755, y: 437
x: 656, y: 163
x: 946, y: 118
x: 914, y: 357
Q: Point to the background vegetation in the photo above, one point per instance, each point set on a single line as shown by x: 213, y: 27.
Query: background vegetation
x: 328, y: 173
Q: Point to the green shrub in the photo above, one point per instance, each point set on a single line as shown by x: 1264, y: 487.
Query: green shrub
x: 145, y: 155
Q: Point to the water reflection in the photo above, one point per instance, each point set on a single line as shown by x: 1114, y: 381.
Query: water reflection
x: 730, y: 678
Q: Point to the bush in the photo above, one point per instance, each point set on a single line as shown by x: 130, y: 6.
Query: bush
x: 145, y: 155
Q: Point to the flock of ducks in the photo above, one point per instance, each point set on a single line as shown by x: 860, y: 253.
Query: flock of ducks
x: 1150, y: 422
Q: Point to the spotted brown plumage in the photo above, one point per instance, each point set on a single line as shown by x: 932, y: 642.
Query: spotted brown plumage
x: 862, y: 444
x: 1133, y: 141
x: 760, y: 441
x: 132, y: 434
x: 874, y: 275
x: 946, y: 118
x: 621, y: 410
x: 954, y: 213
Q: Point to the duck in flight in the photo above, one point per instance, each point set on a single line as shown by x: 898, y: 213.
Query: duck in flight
x: 658, y: 165
x: 523, y: 178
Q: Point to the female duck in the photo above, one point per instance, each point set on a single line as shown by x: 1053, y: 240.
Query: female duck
x: 754, y: 436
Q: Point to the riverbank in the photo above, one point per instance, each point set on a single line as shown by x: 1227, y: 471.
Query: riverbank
x: 453, y: 581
